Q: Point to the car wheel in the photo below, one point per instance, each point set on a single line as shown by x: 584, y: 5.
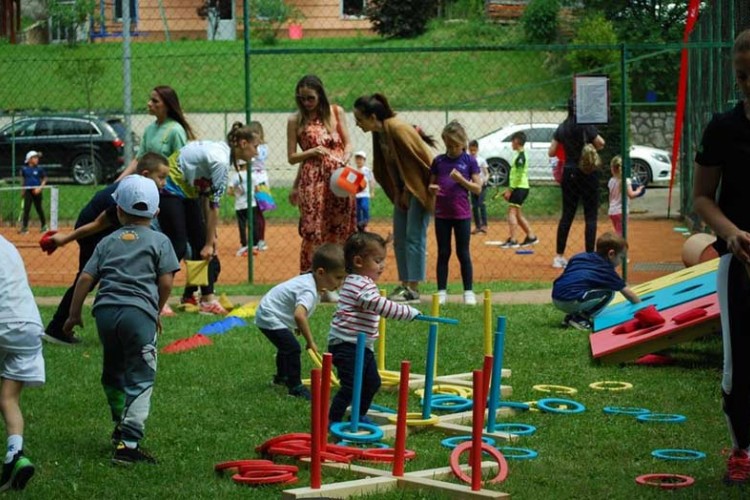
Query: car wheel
x: 85, y: 169
x: 499, y: 170
x: 640, y: 173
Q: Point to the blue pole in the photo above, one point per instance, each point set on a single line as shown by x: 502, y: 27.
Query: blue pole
x: 497, y: 369
x: 359, y: 366
x: 429, y: 372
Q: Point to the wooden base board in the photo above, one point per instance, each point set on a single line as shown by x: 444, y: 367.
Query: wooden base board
x: 457, y: 429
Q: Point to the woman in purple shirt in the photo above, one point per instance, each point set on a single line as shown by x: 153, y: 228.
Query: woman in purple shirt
x: 452, y: 176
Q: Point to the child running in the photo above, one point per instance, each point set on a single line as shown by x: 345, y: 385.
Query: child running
x: 21, y: 360
x: 615, y: 193
x: 452, y: 176
x: 516, y: 194
x: 359, y: 309
x: 287, y: 307
x: 135, y: 266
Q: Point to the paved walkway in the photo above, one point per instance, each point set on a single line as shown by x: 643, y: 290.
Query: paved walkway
x: 521, y: 297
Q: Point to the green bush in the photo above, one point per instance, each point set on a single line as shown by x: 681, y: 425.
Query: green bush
x: 594, y: 29
x: 400, y: 18
x: 540, y: 21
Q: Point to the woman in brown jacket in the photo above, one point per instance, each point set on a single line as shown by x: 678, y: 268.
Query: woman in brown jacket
x: 401, y: 165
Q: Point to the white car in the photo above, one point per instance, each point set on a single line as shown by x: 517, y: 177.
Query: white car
x: 648, y: 165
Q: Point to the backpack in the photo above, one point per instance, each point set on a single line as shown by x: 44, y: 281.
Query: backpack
x: 590, y: 161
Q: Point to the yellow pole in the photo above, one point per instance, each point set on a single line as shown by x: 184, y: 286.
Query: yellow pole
x: 381, y: 339
x: 487, y: 323
x: 435, y: 311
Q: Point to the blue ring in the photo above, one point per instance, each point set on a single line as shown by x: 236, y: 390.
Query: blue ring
x: 670, y: 418
x: 454, y: 441
x: 544, y: 405
x: 338, y: 430
x: 516, y: 405
x: 443, y: 402
x: 626, y: 410
x: 383, y: 409
x: 678, y: 454
x: 347, y: 442
x: 521, y: 453
x: 521, y: 429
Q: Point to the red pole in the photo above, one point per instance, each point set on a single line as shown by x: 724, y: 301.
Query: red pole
x: 315, y: 430
x: 476, y: 432
x: 325, y: 395
x: 403, y: 402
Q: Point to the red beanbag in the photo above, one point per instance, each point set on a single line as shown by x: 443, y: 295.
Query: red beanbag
x: 690, y: 315
x: 628, y: 327
x: 649, y: 316
x: 46, y: 244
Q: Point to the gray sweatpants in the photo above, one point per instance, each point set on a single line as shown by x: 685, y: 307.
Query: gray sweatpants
x: 128, y: 337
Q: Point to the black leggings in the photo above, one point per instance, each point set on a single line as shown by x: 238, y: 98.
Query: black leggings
x: 577, y: 186
x: 462, y: 228
x: 182, y: 221
x: 30, y: 198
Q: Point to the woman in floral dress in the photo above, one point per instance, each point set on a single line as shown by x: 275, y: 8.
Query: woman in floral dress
x: 319, y: 128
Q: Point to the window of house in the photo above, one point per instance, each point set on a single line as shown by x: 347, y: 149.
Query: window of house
x: 133, y: 10
x: 353, y: 8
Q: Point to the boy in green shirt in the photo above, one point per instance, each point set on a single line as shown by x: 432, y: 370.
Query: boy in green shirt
x: 515, y: 195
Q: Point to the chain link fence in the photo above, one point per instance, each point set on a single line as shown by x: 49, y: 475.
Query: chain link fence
x: 492, y: 91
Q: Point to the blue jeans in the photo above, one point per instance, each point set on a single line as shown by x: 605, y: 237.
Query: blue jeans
x: 479, y: 208
x: 288, y: 351
x: 363, y: 212
x: 589, y: 305
x: 410, y: 240
x: 344, y: 355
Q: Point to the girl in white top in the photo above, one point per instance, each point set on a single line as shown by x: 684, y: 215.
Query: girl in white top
x: 259, y: 177
x: 615, y: 193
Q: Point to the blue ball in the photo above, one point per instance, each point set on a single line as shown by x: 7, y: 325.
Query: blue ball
x: 635, y: 186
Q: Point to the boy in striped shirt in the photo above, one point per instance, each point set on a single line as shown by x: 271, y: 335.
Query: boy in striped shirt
x: 359, y: 309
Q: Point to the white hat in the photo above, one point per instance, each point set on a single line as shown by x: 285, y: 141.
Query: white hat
x: 32, y: 154
x: 361, y: 153
x: 137, y: 195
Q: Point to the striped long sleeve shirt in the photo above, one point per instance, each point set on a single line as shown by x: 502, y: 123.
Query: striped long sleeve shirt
x: 359, y: 309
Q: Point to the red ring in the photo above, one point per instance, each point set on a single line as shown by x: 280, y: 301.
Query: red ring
x: 222, y: 466
x: 385, y: 454
x: 263, y: 477
x: 288, y: 451
x: 502, y: 464
x: 345, y: 450
x: 268, y: 467
x: 648, y: 480
x: 304, y: 436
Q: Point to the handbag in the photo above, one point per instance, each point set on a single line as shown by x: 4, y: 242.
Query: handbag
x: 590, y: 161
x: 264, y: 199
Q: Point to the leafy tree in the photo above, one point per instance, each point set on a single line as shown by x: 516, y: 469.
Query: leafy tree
x: 400, y: 18
x: 71, y: 16
x: 540, y: 21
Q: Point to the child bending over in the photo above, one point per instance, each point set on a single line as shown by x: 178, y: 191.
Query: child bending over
x: 359, y: 309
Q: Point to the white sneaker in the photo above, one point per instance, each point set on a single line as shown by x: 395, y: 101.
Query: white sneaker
x: 242, y: 251
x: 262, y: 246
x: 441, y: 296
x: 470, y: 299
x: 559, y: 262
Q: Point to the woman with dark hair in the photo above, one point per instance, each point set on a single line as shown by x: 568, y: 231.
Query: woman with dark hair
x: 576, y: 185
x: 319, y: 129
x: 401, y: 165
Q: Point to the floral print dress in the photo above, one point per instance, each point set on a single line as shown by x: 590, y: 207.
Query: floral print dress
x: 324, y: 217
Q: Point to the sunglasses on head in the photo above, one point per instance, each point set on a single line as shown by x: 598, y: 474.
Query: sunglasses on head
x: 307, y: 98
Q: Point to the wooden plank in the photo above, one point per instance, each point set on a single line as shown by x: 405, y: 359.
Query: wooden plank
x: 670, y: 279
x: 455, y: 491
x: 458, y: 429
x: 370, y: 485
x: 446, y: 472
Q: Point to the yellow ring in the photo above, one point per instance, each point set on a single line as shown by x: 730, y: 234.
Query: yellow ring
x: 453, y: 390
x: 618, y: 386
x: 415, y: 420
x: 556, y: 389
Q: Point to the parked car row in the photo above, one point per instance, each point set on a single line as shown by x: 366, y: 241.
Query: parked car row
x: 85, y: 148
x: 648, y: 165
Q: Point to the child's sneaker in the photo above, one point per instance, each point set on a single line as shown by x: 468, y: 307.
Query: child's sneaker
x: 738, y: 468
x: 16, y: 473
x: 242, y: 251
x: 509, y: 243
x: 189, y: 301
x: 128, y: 456
x: 470, y: 298
x: 529, y: 241
x: 579, y: 323
x: 212, y: 307
x: 442, y: 294
x: 300, y: 392
x: 559, y: 262
x: 410, y: 296
x: 262, y: 246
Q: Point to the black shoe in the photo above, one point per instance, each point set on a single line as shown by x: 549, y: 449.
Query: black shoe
x: 530, y: 241
x: 579, y: 323
x: 279, y: 380
x: 116, y: 436
x: 60, y: 338
x: 300, y: 392
x: 564, y: 323
x: 17, y: 473
x: 510, y: 244
x: 127, y: 456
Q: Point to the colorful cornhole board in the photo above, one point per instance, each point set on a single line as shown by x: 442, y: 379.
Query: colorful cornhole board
x: 670, y: 279
x: 663, y: 298
x: 611, y: 348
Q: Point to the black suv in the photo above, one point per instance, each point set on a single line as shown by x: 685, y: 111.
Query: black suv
x: 86, y: 148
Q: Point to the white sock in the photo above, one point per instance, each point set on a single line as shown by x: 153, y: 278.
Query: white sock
x: 441, y: 296
x: 15, y: 444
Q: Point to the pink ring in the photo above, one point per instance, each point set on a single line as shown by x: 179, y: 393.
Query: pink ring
x: 502, y: 465
x: 663, y: 480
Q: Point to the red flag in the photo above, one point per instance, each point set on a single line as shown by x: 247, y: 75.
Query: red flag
x: 692, y: 17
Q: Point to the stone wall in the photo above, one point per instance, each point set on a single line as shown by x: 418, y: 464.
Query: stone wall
x: 652, y: 128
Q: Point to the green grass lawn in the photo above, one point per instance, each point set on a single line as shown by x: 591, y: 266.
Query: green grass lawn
x: 216, y: 404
